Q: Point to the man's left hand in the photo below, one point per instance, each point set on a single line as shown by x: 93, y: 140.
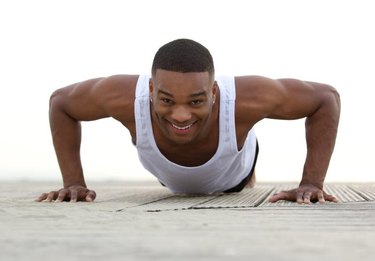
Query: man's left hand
x: 305, y: 194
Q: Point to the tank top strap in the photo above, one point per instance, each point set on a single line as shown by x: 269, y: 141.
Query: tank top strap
x: 142, y: 109
x: 227, y: 103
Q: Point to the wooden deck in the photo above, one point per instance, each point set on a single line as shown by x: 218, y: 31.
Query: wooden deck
x: 144, y: 221
x: 257, y: 197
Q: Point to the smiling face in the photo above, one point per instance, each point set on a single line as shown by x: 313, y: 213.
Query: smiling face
x: 182, y: 104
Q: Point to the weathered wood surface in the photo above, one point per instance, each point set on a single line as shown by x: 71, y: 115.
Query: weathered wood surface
x: 144, y: 221
x: 256, y: 197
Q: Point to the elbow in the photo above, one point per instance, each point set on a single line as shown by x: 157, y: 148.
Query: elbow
x: 54, y: 98
x: 331, y: 104
x: 334, y: 96
x: 57, y: 100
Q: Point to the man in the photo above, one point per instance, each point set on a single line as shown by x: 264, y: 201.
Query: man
x: 194, y: 133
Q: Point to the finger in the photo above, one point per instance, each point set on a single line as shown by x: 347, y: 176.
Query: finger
x: 321, y: 197
x: 91, y: 195
x: 42, y: 197
x: 276, y: 197
x: 307, y: 197
x: 283, y: 195
x: 51, y: 196
x: 63, y: 193
x: 73, y: 195
x: 299, y: 197
x: 331, y: 198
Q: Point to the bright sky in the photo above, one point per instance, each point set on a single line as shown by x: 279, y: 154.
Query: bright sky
x: 49, y: 44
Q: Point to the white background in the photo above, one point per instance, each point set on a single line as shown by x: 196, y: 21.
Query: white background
x: 49, y: 44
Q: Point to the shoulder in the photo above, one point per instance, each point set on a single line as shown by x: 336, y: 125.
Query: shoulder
x: 115, y: 94
x: 279, y: 99
x: 258, y: 95
x: 257, y: 86
x: 115, y: 84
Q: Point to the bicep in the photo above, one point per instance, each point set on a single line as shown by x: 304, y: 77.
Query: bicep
x: 260, y: 97
x: 298, y: 99
x: 78, y: 101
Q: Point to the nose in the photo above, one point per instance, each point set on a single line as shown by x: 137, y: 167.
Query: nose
x: 181, y: 114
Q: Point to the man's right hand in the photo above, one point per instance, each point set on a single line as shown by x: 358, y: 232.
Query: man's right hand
x: 72, y: 194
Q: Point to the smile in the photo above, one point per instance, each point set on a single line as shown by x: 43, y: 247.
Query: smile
x: 182, y: 128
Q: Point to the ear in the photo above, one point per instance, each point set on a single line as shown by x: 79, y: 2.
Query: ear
x: 215, y: 88
x: 150, y: 87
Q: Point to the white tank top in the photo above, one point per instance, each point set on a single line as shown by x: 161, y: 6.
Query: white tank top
x: 226, y: 169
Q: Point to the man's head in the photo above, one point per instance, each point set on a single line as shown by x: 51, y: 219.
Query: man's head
x: 183, y: 55
x: 183, y: 91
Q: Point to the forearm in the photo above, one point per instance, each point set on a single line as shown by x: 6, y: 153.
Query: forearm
x: 66, y: 135
x: 321, y: 131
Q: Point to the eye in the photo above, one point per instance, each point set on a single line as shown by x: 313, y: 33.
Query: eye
x: 166, y: 101
x: 196, y: 102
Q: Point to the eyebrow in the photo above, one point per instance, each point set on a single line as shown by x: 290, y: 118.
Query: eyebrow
x: 191, y: 95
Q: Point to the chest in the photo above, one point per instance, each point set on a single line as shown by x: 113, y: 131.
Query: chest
x: 190, y: 154
x: 196, y: 154
x: 189, y: 157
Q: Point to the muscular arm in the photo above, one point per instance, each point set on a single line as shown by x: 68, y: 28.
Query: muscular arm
x: 294, y: 99
x: 321, y: 130
x: 90, y: 100
x: 69, y: 106
x: 320, y: 104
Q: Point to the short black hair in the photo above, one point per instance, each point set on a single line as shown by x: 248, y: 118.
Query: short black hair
x: 183, y: 55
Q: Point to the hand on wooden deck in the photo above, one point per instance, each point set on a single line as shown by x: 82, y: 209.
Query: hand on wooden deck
x: 304, y: 194
x: 72, y: 194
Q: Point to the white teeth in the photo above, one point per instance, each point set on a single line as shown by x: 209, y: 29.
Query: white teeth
x: 181, y: 128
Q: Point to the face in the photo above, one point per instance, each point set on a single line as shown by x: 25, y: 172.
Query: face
x: 182, y: 104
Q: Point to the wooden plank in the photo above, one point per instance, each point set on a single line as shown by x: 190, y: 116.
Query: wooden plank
x: 249, y: 197
x: 140, y: 198
x: 176, y: 202
x: 367, y: 191
x: 132, y: 195
x: 343, y: 193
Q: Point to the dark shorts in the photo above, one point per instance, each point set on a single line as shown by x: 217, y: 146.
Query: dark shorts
x: 246, y: 180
